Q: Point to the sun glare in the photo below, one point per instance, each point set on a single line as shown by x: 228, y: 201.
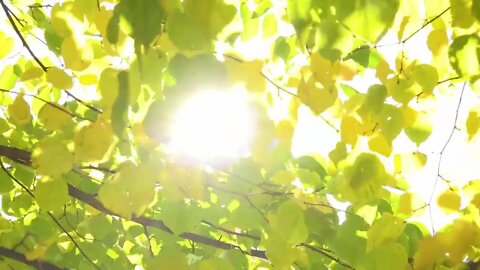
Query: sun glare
x: 213, y: 127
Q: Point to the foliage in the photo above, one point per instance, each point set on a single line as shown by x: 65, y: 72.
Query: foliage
x: 89, y: 87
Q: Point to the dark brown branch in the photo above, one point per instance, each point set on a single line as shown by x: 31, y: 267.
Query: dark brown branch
x: 16, y: 154
x: 17, y: 256
x: 145, y: 221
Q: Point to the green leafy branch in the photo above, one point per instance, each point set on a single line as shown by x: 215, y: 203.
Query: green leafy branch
x: 23, y: 157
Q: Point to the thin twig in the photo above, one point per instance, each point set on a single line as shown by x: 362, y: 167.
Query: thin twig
x: 24, y: 42
x: 425, y: 24
x: 73, y: 241
x: 439, y: 165
x: 326, y: 254
x: 149, y: 244
x: 56, y: 106
x: 449, y: 79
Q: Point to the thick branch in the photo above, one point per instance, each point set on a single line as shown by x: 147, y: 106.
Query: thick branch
x: 23, y: 157
x: 17, y: 256
x: 145, y: 221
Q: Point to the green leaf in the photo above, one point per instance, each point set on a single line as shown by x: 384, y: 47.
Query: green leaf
x: 464, y: 56
x: 179, y: 216
x: 144, y: 17
x: 51, y: 194
x: 269, y: 25
x: 197, y: 27
x: 120, y: 105
x: 288, y: 223
x: 368, y: 19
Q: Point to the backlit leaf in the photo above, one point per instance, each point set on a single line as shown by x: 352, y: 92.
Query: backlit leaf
x: 368, y: 19
x: 449, y: 201
x: 7, y: 44
x: 59, y: 78
x: 465, y: 56
x: 51, y: 194
x: 19, y: 111
x: 289, y: 223
x: 53, y: 118
x: 52, y: 157
x: 473, y: 123
x: 130, y: 191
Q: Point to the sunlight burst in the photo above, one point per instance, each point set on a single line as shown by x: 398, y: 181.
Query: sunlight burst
x: 213, y: 127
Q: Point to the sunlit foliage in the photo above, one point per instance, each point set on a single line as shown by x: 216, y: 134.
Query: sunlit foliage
x: 90, y: 91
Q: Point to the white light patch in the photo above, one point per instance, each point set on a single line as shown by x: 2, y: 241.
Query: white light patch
x: 213, y: 127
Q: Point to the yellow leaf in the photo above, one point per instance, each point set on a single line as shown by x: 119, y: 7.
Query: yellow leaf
x: 76, y: 52
x: 361, y: 179
x: 108, y: 87
x: 410, y: 162
x: 379, y: 144
x: 88, y: 79
x: 473, y: 122
x: 458, y: 239
x: 349, y: 130
x: 53, y: 118
x: 130, y: 191
x: 31, y: 73
x: 409, y: 204
x: 418, y: 126
x: 285, y: 131
x: 51, y: 194
x: 248, y: 73
x: 345, y: 70
x: 426, y: 76
x: 59, y: 78
x: 37, y: 253
x: 430, y: 250
x: 382, y: 70
x: 51, y: 157
x: 339, y: 153
x: 7, y: 44
x: 323, y: 70
x: 317, y: 99
x: 461, y: 13
x: 438, y: 42
x: 19, y: 111
x: 283, y: 178
x: 94, y: 141
x: 449, y: 201
x: 384, y: 230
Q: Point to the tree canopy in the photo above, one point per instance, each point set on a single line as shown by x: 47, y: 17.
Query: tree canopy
x: 90, y: 90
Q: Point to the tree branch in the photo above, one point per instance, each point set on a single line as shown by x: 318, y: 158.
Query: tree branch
x: 17, y: 256
x: 24, y: 42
